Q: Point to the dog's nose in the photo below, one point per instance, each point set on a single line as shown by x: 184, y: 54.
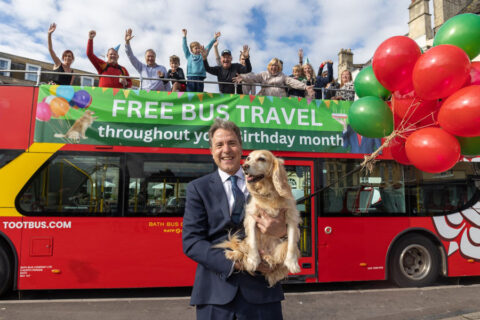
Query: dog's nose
x: 246, y: 166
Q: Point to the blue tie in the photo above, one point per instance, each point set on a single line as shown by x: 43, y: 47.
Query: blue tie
x: 238, y: 200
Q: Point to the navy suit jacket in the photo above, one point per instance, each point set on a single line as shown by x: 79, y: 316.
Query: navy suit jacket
x: 207, y: 222
x: 368, y: 145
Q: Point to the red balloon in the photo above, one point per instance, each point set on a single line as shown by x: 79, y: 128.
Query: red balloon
x: 475, y: 73
x: 440, y: 71
x: 397, y: 148
x: 460, y: 113
x: 411, y: 108
x: 432, y: 150
x: 393, y: 63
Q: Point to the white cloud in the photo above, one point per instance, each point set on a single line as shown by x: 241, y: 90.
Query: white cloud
x: 322, y: 28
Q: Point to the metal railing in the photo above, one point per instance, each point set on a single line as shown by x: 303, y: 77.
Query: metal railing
x: 140, y: 78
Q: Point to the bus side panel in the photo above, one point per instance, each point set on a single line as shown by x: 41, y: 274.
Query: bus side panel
x: 462, y: 247
x: 16, y: 105
x: 62, y: 253
x: 355, y: 249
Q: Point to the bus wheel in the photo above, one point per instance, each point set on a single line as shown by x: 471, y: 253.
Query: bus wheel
x: 415, y: 262
x: 5, y: 272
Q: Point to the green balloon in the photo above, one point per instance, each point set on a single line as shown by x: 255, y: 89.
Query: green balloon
x: 366, y: 84
x: 462, y: 31
x: 371, y: 117
x: 470, y: 146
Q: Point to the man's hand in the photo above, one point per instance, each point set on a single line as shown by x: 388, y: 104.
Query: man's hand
x: 52, y: 28
x: 92, y: 34
x: 128, y: 35
x: 124, y: 82
x: 160, y: 74
x: 246, y: 51
x: 276, y: 227
x: 184, y: 32
x: 217, y: 35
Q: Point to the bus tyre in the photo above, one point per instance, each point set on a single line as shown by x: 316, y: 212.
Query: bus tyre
x: 5, y: 272
x: 415, y: 262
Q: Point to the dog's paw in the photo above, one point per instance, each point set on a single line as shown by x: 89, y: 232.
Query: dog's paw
x: 252, y: 262
x: 233, y: 255
x: 292, y: 265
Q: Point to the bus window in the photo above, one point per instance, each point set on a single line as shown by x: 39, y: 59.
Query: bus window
x: 380, y: 192
x: 8, y: 155
x: 431, y: 194
x: 72, y: 185
x: 299, y: 178
x: 157, y: 184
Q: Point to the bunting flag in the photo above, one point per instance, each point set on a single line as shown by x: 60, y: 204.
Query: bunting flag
x: 180, y: 94
x: 104, y: 89
x: 137, y: 92
x: 299, y: 99
x: 210, y: 94
x: 309, y: 100
x: 190, y: 95
x: 327, y: 103
x: 270, y: 98
x: 318, y: 102
x: 252, y: 97
x: 261, y: 99
x: 241, y: 96
x: 115, y: 91
x: 200, y: 96
x: 126, y: 93
x: 169, y: 92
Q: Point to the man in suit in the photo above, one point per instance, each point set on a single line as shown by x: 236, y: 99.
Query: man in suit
x: 221, y: 290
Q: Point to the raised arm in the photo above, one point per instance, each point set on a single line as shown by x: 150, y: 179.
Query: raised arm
x: 97, y: 62
x: 128, y: 50
x: 186, y: 51
x: 210, y: 44
x: 55, y: 59
x: 217, y: 55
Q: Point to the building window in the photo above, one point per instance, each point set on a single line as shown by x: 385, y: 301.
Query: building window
x: 5, y: 65
x: 87, y: 81
x: 31, y: 76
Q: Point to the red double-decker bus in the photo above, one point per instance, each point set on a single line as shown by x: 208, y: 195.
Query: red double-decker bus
x: 93, y: 180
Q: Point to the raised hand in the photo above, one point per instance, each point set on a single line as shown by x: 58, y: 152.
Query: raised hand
x: 160, y: 74
x: 217, y: 35
x: 184, y: 32
x: 246, y: 51
x: 92, y: 34
x: 300, y: 53
x: 203, y: 52
x: 128, y: 35
x: 52, y: 28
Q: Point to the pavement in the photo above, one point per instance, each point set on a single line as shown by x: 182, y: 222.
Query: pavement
x: 468, y: 316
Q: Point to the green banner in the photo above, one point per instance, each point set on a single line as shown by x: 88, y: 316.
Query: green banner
x: 108, y: 116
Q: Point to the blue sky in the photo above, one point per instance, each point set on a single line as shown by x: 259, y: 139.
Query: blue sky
x: 272, y: 28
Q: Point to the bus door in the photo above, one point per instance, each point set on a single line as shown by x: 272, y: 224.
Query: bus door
x: 359, y: 216
x: 300, y: 178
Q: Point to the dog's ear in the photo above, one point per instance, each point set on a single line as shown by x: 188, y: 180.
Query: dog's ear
x: 279, y: 178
